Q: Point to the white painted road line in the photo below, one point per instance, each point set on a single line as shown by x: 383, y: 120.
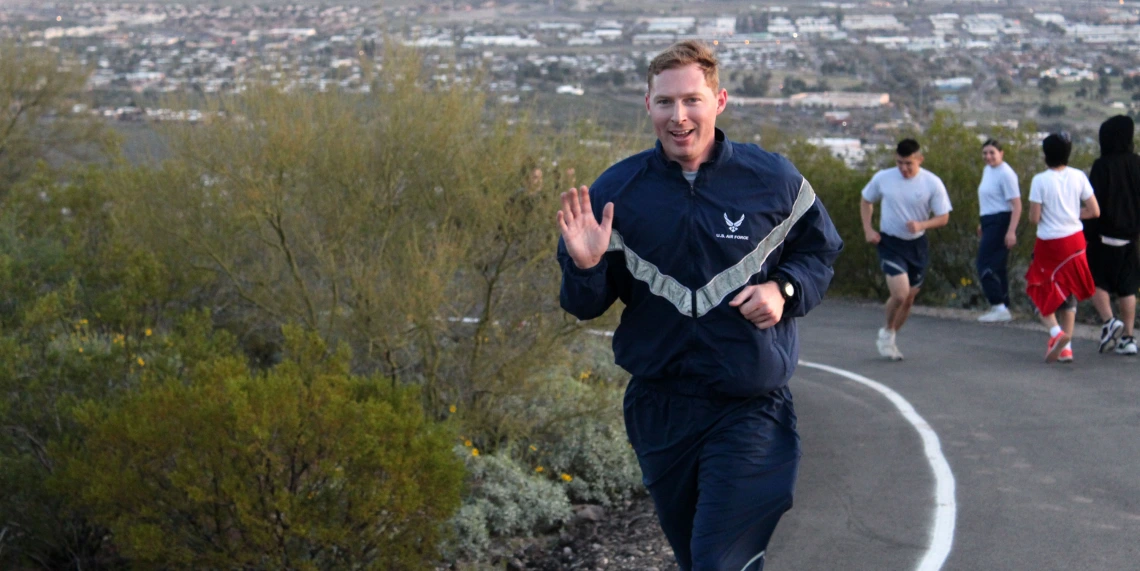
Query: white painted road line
x: 946, y: 507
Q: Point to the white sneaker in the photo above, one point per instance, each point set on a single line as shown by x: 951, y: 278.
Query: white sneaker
x: 1127, y: 346
x: 886, y: 345
x: 1109, y: 333
x: 996, y: 314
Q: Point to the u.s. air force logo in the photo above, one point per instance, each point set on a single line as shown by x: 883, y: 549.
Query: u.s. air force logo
x: 732, y: 227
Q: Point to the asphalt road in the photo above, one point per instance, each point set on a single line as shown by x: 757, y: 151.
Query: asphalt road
x: 1045, y: 458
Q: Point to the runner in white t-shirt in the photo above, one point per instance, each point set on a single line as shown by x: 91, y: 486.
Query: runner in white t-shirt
x: 914, y: 200
x: 999, y: 199
x: 1059, y: 199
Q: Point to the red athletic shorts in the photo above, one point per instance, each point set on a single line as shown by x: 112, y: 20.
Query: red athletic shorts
x: 1059, y: 269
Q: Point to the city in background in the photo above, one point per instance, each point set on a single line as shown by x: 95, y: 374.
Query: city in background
x: 847, y: 75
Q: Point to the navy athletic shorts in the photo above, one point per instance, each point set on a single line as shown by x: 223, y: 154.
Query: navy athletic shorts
x: 898, y: 256
x: 721, y: 471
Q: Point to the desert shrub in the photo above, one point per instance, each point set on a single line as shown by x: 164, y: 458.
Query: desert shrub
x: 504, y: 499
x: 303, y: 466
x: 52, y: 363
x: 414, y: 224
x: 575, y: 451
x: 582, y: 441
x: 78, y: 307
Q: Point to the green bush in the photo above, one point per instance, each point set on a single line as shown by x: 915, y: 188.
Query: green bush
x: 302, y: 467
x: 79, y: 308
x: 414, y: 224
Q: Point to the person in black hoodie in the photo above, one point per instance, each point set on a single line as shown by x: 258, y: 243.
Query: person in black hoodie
x: 1112, y: 238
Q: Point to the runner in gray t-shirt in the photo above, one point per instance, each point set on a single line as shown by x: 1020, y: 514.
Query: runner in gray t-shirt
x: 914, y: 200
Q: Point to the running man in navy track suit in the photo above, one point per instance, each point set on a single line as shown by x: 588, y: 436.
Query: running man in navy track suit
x: 714, y: 247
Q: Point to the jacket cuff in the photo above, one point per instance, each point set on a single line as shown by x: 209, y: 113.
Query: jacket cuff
x: 574, y: 270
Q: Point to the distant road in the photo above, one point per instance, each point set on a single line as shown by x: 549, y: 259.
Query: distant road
x: 1045, y: 458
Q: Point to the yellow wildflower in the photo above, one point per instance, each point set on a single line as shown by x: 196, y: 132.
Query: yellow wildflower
x: 474, y: 451
x: 148, y: 332
x: 539, y: 469
x: 81, y: 349
x: 83, y: 322
x: 964, y: 281
x: 141, y: 362
x: 467, y: 443
x: 451, y: 409
x: 533, y: 449
x: 567, y: 477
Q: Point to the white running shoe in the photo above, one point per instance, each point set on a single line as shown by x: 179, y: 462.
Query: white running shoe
x: 1127, y: 346
x: 995, y: 315
x: 886, y: 345
x: 1109, y: 333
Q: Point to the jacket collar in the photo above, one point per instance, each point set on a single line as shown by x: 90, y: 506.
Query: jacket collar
x: 721, y: 153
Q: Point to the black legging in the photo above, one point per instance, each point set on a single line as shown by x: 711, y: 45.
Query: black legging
x: 992, y: 258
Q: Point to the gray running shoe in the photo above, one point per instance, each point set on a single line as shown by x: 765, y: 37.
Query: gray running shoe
x: 995, y: 315
x: 885, y: 342
x: 1109, y: 333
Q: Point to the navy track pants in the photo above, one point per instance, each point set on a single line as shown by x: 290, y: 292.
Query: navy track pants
x: 993, y: 257
x: 721, y: 471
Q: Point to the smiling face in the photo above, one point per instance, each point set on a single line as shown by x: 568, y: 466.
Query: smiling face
x: 683, y: 109
x: 909, y: 165
x: 992, y: 156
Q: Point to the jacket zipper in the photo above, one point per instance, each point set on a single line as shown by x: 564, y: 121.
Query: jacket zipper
x: 692, y: 236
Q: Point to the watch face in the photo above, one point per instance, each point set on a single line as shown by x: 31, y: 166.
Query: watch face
x: 789, y: 290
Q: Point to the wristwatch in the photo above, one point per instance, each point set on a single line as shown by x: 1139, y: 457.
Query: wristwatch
x: 786, y: 287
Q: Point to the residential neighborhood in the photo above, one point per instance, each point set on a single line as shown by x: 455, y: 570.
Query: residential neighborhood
x: 882, y: 64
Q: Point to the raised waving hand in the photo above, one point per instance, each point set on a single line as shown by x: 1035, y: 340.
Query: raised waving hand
x: 586, y: 239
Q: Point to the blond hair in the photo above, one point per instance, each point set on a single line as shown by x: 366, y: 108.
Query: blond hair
x: 685, y: 53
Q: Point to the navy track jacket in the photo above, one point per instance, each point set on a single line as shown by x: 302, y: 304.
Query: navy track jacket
x: 679, y: 253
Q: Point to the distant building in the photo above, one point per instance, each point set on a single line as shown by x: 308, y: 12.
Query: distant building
x: 983, y: 24
x: 850, y: 150
x: 953, y: 83
x: 780, y: 26
x: 892, y: 42
x: 717, y: 28
x: 1049, y: 18
x: 945, y: 24
x: 560, y: 26
x: 862, y: 23
x: 652, y: 39
x: 815, y: 26
x: 505, y: 41
x: 1113, y: 34
x: 837, y: 117
x: 1067, y: 74
x: 677, y: 25
x: 841, y: 99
